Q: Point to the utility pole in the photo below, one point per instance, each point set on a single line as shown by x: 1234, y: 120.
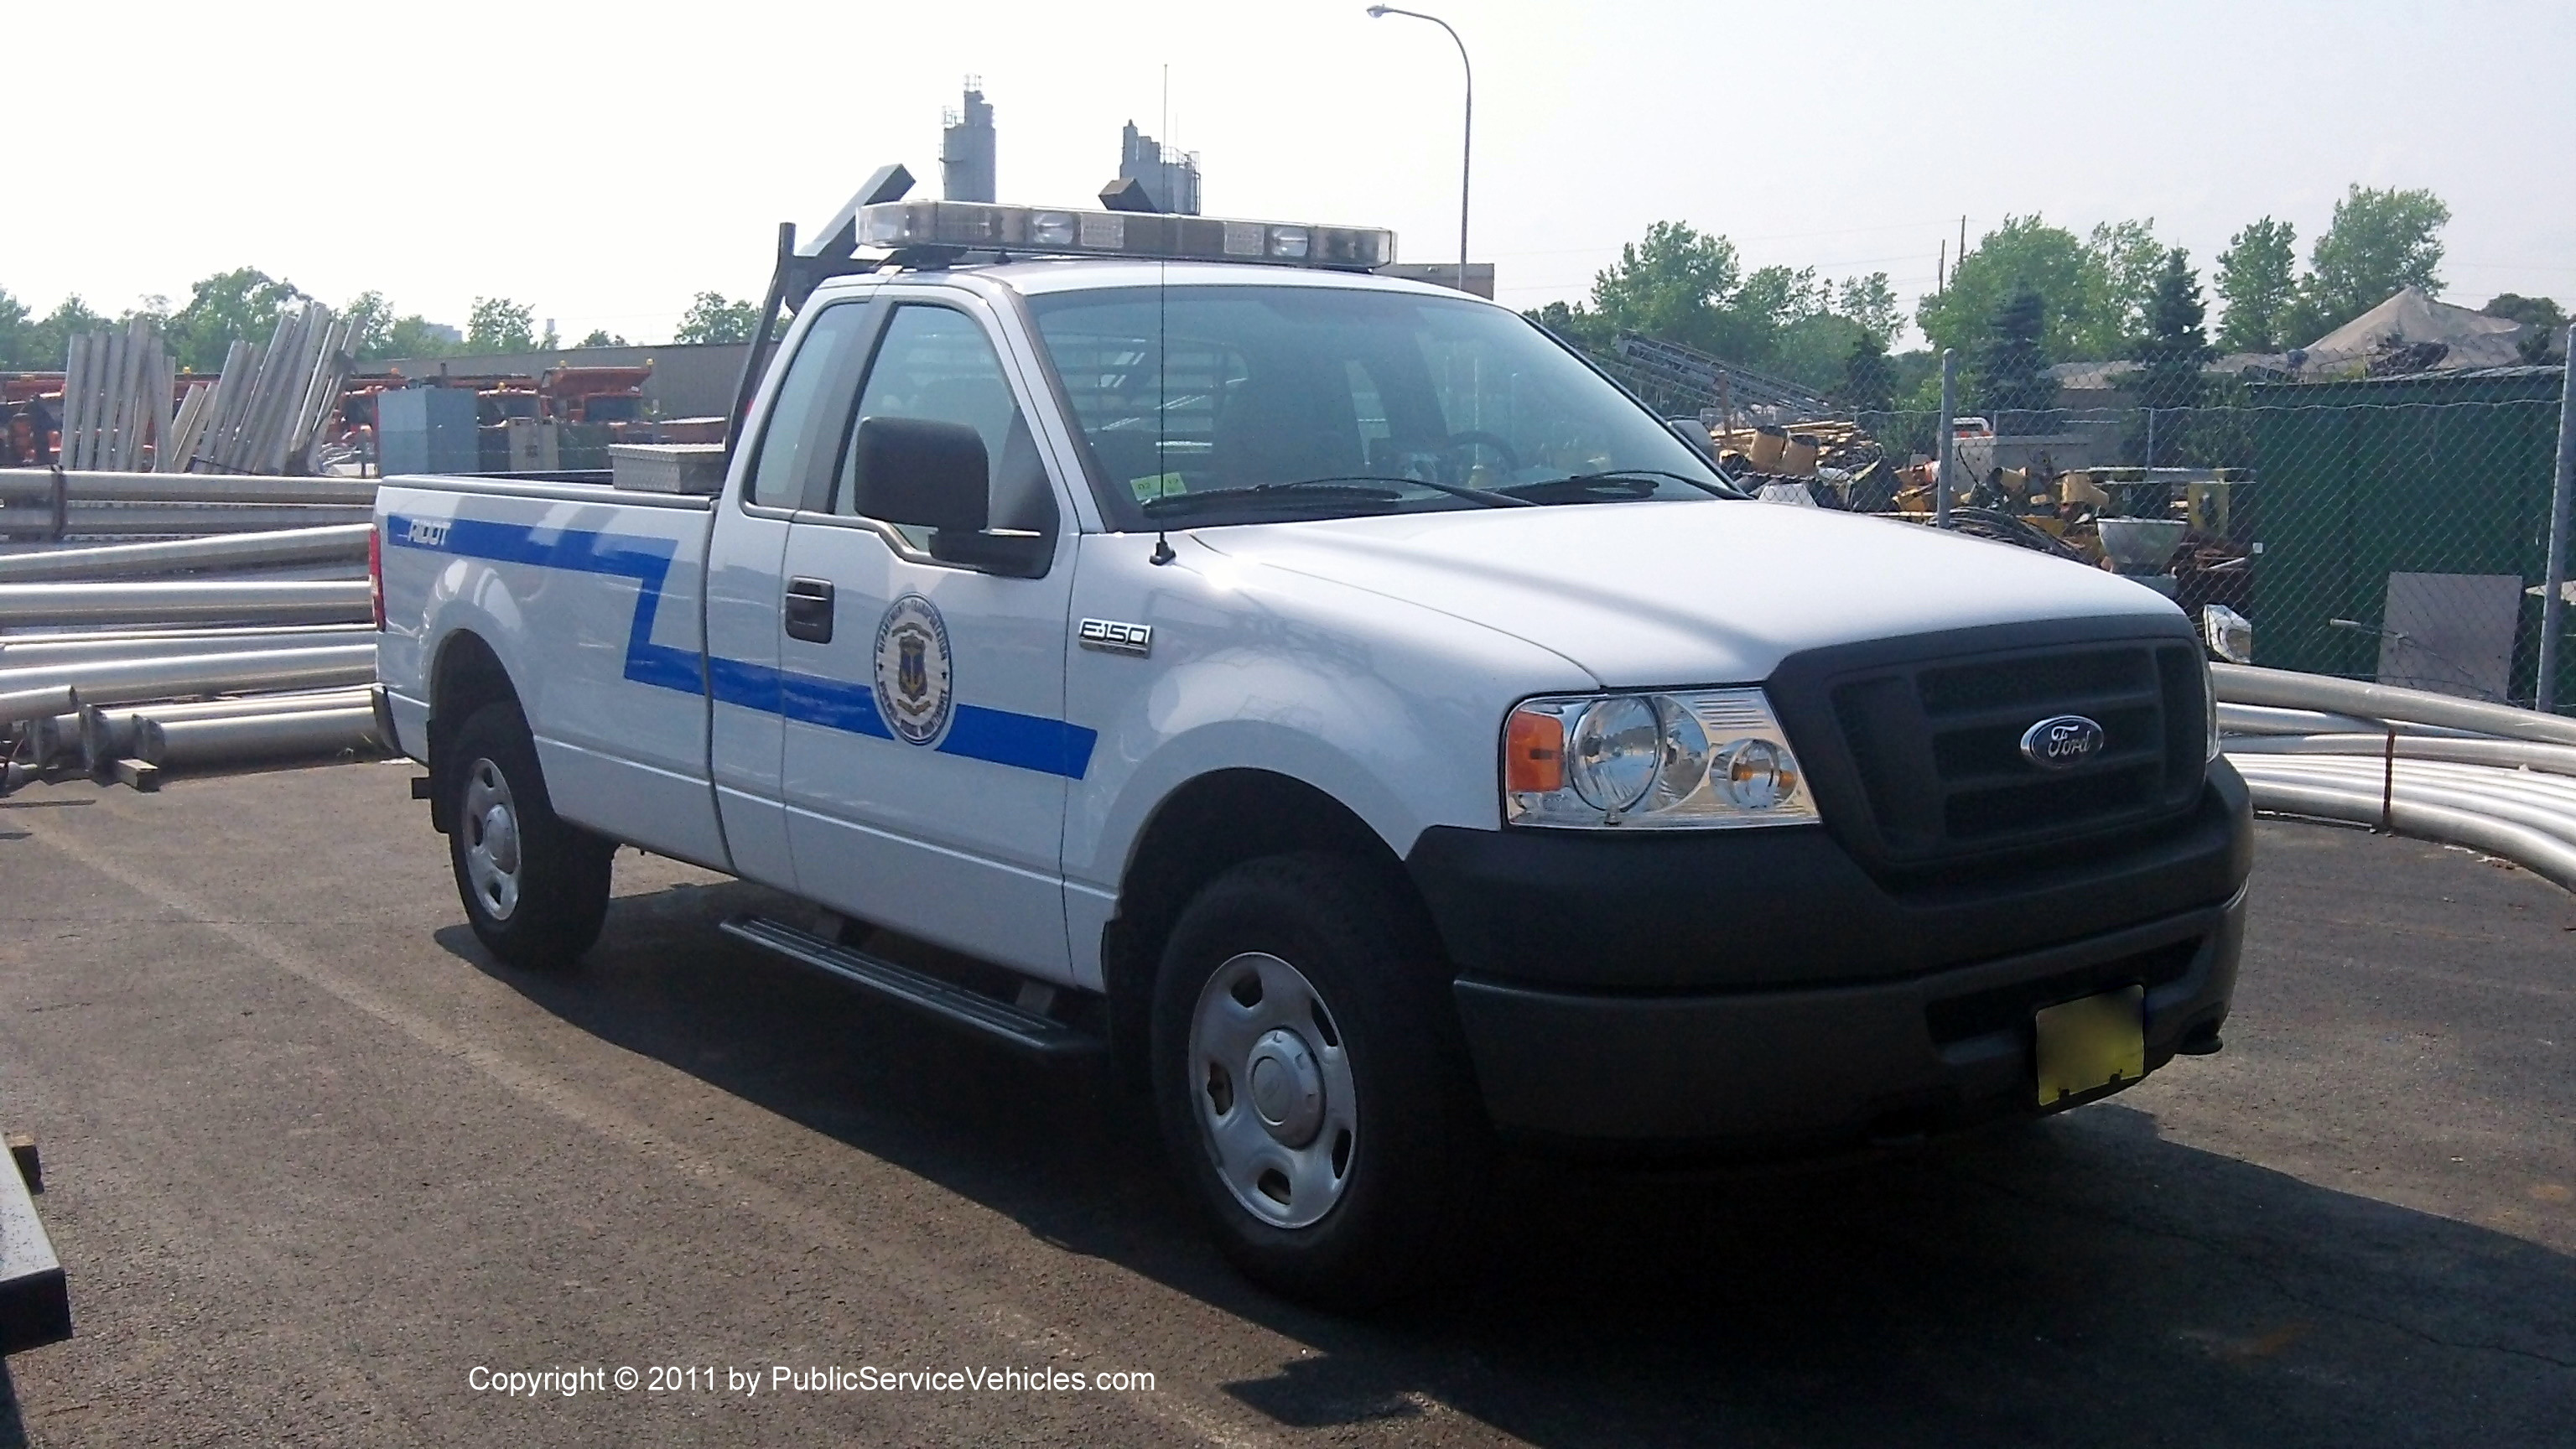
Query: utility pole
x: 1948, y: 445
x: 2562, y: 498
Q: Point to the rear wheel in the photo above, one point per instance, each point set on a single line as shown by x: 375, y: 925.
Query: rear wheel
x: 535, y: 887
x: 1311, y: 1083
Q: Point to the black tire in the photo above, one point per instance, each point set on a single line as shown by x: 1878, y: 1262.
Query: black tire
x: 560, y: 896
x: 1400, y: 1213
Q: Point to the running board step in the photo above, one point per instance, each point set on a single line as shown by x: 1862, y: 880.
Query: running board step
x: 1024, y: 1031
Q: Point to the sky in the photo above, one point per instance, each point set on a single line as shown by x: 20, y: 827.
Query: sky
x: 605, y: 163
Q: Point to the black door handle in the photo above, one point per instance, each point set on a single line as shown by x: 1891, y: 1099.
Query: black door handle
x: 809, y: 610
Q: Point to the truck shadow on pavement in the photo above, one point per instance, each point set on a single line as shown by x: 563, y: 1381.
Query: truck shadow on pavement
x: 2077, y: 1281
x: 13, y: 1429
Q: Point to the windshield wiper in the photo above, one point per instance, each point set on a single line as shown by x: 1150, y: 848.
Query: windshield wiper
x: 1487, y: 496
x: 1353, y: 487
x: 1617, y: 475
x: 1321, y: 490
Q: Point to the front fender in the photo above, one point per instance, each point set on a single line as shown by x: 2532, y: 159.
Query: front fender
x: 1361, y: 779
x: 1393, y: 709
x: 1401, y: 761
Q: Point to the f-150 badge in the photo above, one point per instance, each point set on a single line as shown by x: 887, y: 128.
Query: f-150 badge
x: 914, y: 683
x: 1116, y: 636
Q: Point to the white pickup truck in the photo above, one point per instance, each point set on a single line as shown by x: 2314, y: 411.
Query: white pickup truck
x: 1346, y: 707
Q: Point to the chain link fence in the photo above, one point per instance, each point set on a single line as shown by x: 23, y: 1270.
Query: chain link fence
x: 2391, y: 529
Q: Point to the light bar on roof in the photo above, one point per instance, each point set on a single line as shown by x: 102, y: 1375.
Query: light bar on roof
x: 983, y: 226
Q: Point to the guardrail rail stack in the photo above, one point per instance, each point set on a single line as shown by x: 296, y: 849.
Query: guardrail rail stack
x: 241, y: 633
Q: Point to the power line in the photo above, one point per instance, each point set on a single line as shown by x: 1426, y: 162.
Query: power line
x: 1729, y: 236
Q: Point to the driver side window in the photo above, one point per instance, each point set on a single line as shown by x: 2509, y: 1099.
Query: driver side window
x: 936, y: 365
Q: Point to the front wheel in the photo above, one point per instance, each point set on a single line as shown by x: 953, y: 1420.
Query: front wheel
x: 535, y: 886
x: 1311, y: 1082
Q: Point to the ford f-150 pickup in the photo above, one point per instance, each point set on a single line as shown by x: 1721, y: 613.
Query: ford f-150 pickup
x: 1343, y: 705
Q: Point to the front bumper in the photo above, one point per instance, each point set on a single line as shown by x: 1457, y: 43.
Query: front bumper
x: 1792, y: 1003
x: 1836, y: 1067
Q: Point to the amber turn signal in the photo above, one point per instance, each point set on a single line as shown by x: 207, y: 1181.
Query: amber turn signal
x: 1533, y: 752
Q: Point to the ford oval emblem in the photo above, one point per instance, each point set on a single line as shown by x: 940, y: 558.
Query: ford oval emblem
x: 2061, y: 742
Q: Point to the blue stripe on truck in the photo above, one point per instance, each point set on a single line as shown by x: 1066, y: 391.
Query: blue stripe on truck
x: 997, y: 736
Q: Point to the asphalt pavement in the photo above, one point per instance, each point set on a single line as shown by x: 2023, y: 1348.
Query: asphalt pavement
x: 313, y: 1160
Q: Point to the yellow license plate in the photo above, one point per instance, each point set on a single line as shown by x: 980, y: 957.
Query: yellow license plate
x: 2091, y: 1043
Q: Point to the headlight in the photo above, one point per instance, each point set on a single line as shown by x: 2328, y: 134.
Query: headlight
x: 2209, y: 704
x: 1686, y: 759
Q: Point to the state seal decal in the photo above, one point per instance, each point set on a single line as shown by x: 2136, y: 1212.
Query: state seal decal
x: 915, y: 685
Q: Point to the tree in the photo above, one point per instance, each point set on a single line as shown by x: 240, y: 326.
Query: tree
x: 2258, y: 280
x: 2173, y: 352
x: 2093, y: 290
x: 2011, y: 372
x: 1869, y: 378
x: 711, y: 318
x: 376, y: 333
x: 601, y: 337
x: 241, y: 305
x: 1670, y: 285
x: 2540, y: 312
x: 1578, y: 325
x: 17, y: 329
x: 2379, y: 243
x: 48, y: 342
x: 1769, y: 299
x: 1679, y: 284
x: 1810, y: 339
x: 1918, y: 380
x: 413, y: 335
x: 370, y: 318
x: 2175, y: 346
x: 2112, y: 315
x: 1871, y: 302
x: 1811, y: 349
x: 2547, y: 338
x: 497, y: 324
x: 2024, y: 254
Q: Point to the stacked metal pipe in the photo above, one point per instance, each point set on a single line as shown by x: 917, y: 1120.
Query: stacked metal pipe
x: 2407, y: 761
x: 218, y: 646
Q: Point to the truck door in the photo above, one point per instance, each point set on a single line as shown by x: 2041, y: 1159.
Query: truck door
x: 789, y: 461
x: 927, y: 754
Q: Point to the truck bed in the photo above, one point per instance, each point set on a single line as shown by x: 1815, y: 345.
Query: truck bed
x: 618, y: 700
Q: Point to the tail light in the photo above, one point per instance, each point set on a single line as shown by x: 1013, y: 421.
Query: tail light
x: 376, y: 574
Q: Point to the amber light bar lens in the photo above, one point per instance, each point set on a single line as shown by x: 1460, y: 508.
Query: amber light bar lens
x: 1049, y: 231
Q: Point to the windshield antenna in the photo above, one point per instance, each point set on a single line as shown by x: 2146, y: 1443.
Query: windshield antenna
x: 1162, y: 553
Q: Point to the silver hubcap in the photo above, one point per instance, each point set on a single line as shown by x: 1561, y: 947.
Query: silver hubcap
x: 1271, y: 1088
x: 491, y: 826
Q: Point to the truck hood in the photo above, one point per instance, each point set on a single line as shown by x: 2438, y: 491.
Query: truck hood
x: 1686, y: 592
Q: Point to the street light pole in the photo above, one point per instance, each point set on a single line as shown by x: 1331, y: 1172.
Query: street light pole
x: 1467, y: 133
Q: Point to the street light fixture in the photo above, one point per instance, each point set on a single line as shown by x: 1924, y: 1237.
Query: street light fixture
x: 1467, y: 133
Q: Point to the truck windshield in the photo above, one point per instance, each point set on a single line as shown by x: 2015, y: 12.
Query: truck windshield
x: 1229, y: 404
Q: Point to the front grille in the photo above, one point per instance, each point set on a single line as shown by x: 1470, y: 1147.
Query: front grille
x: 1936, y: 745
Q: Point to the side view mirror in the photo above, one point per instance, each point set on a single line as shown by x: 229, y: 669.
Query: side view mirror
x: 923, y: 474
